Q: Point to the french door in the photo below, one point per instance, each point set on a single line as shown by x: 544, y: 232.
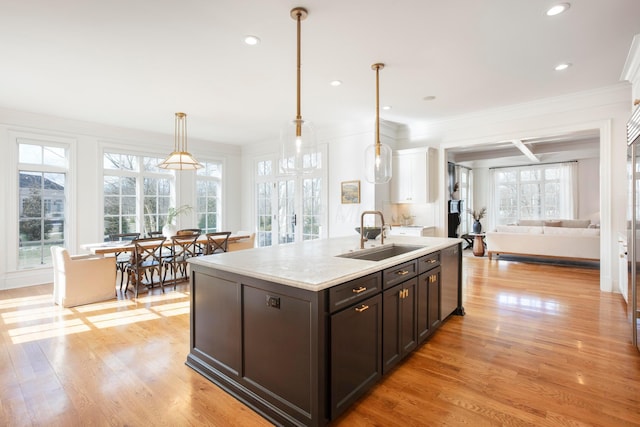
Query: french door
x: 289, y: 208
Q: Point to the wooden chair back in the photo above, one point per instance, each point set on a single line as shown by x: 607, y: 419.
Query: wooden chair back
x: 217, y: 242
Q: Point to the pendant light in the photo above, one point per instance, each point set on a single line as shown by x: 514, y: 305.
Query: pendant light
x: 298, y: 139
x: 180, y: 158
x: 377, y: 158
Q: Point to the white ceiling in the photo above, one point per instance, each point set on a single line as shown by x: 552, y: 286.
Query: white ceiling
x: 135, y: 63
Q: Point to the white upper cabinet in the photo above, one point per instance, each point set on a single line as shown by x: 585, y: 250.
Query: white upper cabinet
x: 415, y: 177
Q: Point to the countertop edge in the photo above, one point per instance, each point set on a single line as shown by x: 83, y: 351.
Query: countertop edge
x: 317, y: 261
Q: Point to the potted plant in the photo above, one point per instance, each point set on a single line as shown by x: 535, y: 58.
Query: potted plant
x: 170, y: 229
x: 477, y: 215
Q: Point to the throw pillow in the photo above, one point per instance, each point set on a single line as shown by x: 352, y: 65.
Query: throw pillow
x: 576, y: 223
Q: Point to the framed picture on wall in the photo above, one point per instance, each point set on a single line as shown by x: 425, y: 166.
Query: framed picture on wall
x: 350, y: 191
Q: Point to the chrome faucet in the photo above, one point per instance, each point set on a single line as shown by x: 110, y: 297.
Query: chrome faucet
x: 362, y: 233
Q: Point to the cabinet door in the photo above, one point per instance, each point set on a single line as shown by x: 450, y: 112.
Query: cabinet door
x: 408, y: 327
x: 356, y: 344
x: 399, y: 332
x: 408, y: 185
x: 428, y: 317
x: 450, y: 286
x: 276, y: 338
x: 216, y: 322
x: 410, y: 182
x: 434, y: 300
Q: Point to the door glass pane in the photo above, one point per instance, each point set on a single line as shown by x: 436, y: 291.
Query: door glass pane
x: 286, y: 211
x: 311, y: 208
x: 264, y: 212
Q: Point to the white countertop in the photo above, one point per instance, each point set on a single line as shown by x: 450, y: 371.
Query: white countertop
x: 313, y: 265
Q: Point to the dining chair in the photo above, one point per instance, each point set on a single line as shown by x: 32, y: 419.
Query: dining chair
x: 188, y: 232
x: 182, y: 248
x: 217, y: 242
x: 122, y: 258
x: 146, y: 258
x: 155, y: 233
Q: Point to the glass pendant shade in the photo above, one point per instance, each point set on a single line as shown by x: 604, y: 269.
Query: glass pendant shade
x: 377, y: 157
x: 180, y: 158
x: 299, y: 148
x: 377, y: 163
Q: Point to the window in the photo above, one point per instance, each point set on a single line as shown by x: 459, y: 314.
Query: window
x: 42, y: 174
x: 534, y: 192
x: 135, y: 192
x: 208, y: 196
x: 289, y: 208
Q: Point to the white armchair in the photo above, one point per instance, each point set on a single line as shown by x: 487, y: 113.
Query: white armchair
x: 82, y: 279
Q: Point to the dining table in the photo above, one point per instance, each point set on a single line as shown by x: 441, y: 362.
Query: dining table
x: 104, y: 248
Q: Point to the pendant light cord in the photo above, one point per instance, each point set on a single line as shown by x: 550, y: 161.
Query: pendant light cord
x: 298, y: 114
x: 377, y: 67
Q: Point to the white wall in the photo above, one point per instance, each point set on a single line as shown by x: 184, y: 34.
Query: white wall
x: 84, y: 204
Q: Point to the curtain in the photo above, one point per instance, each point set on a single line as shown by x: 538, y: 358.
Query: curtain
x: 492, y: 203
x: 568, y: 190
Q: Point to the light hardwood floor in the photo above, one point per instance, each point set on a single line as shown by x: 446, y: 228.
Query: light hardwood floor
x: 539, y: 346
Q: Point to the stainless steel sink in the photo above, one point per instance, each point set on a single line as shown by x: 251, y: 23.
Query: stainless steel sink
x: 383, y: 252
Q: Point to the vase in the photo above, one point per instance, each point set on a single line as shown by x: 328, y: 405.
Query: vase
x: 169, y: 230
x: 477, y: 227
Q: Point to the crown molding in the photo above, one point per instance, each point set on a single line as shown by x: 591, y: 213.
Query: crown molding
x: 631, y: 69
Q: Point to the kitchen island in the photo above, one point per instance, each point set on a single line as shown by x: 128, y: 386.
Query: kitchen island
x: 299, y: 332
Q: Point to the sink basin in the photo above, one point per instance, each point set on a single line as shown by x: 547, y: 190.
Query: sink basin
x: 383, y: 252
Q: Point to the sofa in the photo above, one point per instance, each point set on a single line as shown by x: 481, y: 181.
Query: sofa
x: 568, y: 239
x: 82, y: 279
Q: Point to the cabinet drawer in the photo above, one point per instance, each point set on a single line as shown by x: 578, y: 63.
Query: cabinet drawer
x: 427, y: 262
x: 351, y: 292
x: 394, y: 275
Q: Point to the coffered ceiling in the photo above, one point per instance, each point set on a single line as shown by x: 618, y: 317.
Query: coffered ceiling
x: 135, y: 63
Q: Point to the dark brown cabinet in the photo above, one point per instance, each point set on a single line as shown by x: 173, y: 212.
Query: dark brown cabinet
x: 356, y: 342
x: 399, y: 331
x: 216, y: 319
x: 428, y: 317
x: 450, y: 284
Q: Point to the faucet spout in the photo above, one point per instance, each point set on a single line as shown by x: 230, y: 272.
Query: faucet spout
x: 362, y: 233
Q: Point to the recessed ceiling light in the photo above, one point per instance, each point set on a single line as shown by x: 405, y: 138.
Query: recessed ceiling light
x: 335, y: 83
x: 429, y: 98
x: 386, y: 107
x: 563, y: 66
x: 558, y: 9
x: 251, y: 40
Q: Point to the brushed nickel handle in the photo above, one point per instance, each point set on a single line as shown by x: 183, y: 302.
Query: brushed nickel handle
x: 431, y: 261
x: 358, y: 290
x: 362, y: 308
x: 402, y: 273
